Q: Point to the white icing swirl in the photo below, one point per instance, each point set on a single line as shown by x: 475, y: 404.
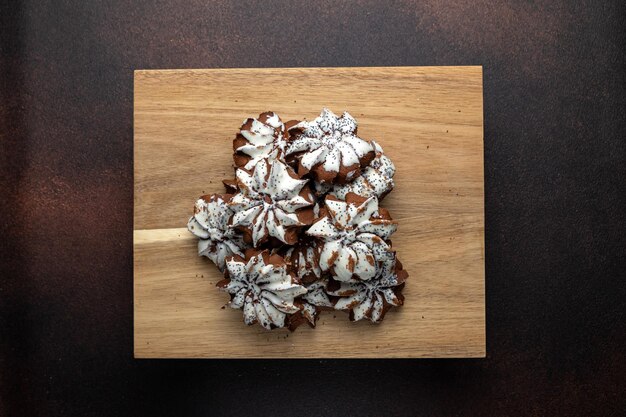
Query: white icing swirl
x: 304, y: 258
x: 354, y: 237
x: 210, y: 223
x: 269, y: 200
x: 315, y: 297
x: 264, y: 291
x: 265, y: 138
x: 329, y: 141
x: 376, y: 179
x: 371, y: 299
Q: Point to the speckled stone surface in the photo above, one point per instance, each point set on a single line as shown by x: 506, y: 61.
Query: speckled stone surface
x: 555, y: 175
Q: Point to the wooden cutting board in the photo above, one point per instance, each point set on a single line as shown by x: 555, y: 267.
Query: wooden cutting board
x: 429, y: 120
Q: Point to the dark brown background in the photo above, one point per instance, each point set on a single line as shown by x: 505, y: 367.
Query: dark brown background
x: 555, y: 167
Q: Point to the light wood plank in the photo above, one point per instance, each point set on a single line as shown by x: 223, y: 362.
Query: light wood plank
x: 428, y: 120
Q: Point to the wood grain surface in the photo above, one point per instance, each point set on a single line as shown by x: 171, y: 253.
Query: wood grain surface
x: 429, y: 120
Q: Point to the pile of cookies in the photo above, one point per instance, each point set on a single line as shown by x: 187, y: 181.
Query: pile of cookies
x: 299, y: 230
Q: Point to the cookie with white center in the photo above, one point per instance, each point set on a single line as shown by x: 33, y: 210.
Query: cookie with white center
x: 258, y: 139
x: 304, y: 258
x: 311, y: 304
x: 376, y: 179
x: 354, y: 234
x: 209, y: 222
x: 372, y: 299
x: 263, y: 287
x: 272, y: 204
x: 328, y: 148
